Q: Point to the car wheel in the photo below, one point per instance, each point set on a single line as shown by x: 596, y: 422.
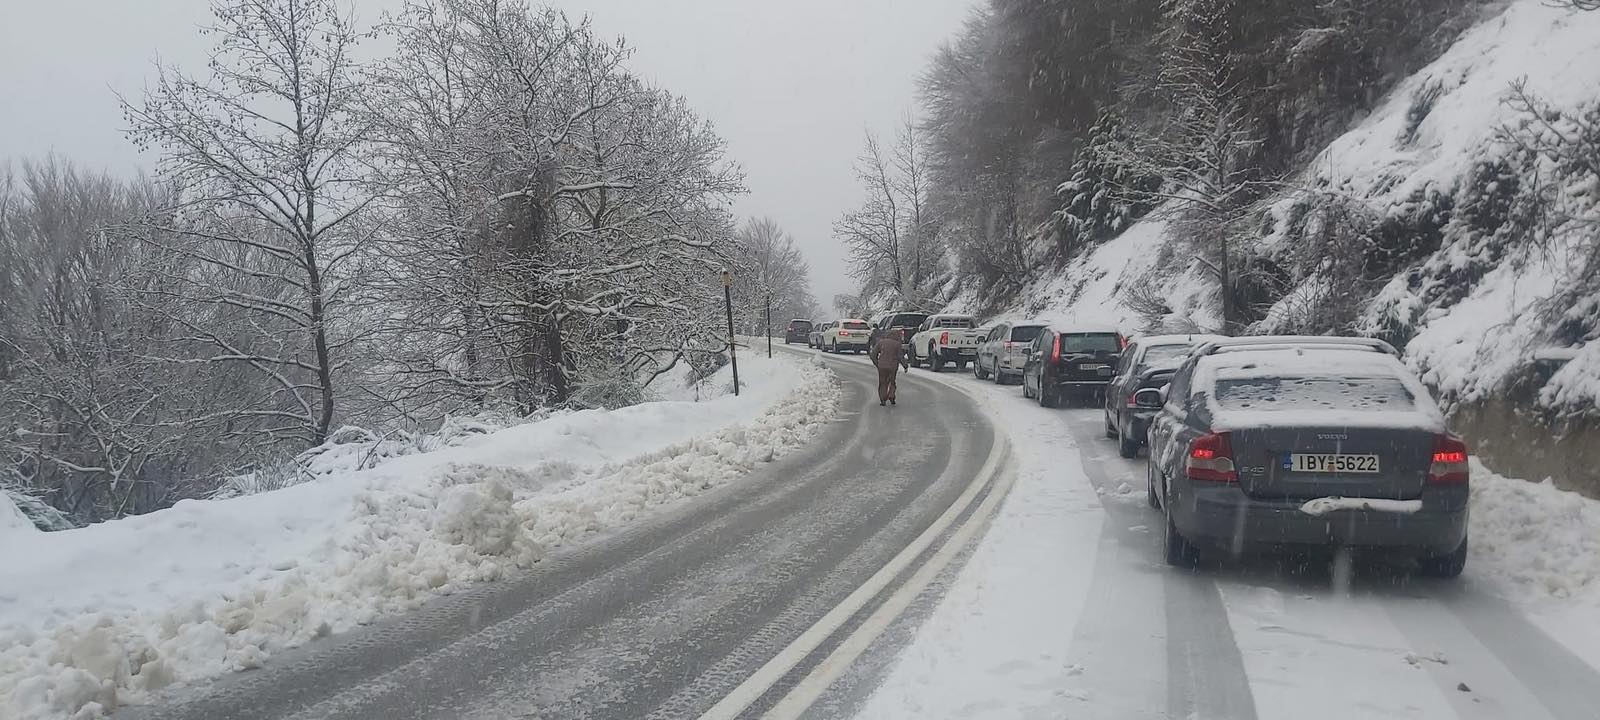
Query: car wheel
x: 1111, y: 430
x: 1150, y: 495
x: 1180, y: 552
x: 977, y: 370
x: 1049, y: 398
x: 935, y: 362
x: 1127, y: 447
x: 994, y: 374
x: 1445, y: 566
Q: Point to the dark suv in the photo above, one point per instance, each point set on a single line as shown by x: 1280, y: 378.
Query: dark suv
x: 799, y: 331
x: 1293, y: 441
x: 1147, y: 362
x: 1070, y: 363
x: 903, y: 323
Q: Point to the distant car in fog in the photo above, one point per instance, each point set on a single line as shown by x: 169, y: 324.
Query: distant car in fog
x: 1305, y: 441
x: 1003, y: 350
x: 1070, y: 363
x: 1147, y: 362
x: 798, y: 331
x: 818, y: 331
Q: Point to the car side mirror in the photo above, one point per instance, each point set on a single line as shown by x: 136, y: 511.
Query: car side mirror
x: 1150, y: 398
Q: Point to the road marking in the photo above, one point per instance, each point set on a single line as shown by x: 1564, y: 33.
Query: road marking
x: 762, y: 680
x: 810, y: 689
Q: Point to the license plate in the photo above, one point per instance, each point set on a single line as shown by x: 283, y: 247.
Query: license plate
x: 1330, y: 463
x: 1094, y: 367
x: 969, y: 351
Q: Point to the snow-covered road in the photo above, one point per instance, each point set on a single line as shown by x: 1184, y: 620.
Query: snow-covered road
x: 1066, y: 609
x: 680, y: 611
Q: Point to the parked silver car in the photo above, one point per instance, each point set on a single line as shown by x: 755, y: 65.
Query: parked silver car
x: 1003, y: 352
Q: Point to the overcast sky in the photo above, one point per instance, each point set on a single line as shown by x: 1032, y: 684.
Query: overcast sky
x: 792, y: 84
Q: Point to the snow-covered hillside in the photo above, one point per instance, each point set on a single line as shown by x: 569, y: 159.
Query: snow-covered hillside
x: 100, y: 616
x: 1485, y: 280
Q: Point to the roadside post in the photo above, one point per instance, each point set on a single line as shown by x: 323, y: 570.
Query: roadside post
x: 727, y: 303
x: 769, y: 326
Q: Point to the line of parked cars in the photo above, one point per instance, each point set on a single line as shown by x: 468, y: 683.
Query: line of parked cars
x: 1253, y: 442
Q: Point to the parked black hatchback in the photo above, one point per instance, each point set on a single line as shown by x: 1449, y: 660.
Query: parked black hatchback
x: 1071, y: 363
x: 1270, y: 442
x: 799, y: 331
x: 1147, y: 362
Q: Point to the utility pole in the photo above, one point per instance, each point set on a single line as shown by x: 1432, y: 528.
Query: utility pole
x: 727, y: 303
x: 769, y: 324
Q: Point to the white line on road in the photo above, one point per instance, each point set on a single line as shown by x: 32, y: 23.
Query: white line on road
x: 762, y: 680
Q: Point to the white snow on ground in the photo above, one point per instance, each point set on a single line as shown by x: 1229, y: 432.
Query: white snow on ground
x: 1539, y: 546
x: 102, y: 616
x: 995, y: 647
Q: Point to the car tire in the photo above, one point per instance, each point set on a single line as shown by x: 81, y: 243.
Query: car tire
x: 1127, y: 446
x: 1048, y: 399
x: 935, y: 362
x: 977, y: 370
x: 1150, y: 496
x: 1180, y: 552
x: 1111, y: 430
x: 999, y: 379
x: 1445, y: 566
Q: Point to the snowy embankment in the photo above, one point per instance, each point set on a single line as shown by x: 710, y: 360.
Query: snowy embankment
x: 105, y: 615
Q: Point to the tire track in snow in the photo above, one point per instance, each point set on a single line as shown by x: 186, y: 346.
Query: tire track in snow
x: 1134, y: 590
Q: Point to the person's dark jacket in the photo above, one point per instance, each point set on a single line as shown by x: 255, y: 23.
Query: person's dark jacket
x: 885, y: 352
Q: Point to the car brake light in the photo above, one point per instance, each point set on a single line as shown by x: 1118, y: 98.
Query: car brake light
x: 1122, y: 342
x: 1055, y: 349
x: 944, y: 338
x: 1449, y: 465
x: 1130, y: 402
x: 1211, y: 459
x: 1007, y: 345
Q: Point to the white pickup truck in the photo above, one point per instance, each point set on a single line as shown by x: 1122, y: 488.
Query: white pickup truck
x: 945, y: 339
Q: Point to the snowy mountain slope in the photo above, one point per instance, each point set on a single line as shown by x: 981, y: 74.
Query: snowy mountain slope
x: 101, y: 616
x: 1400, y: 151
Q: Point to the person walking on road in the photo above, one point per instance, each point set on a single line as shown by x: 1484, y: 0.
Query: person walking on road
x: 885, y: 354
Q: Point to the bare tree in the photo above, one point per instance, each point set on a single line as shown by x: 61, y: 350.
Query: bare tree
x: 770, y: 273
x: 266, y: 149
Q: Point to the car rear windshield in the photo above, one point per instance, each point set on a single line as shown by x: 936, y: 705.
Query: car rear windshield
x: 953, y: 323
x: 1090, y: 343
x: 1162, y: 353
x: 907, y: 320
x: 1025, y: 334
x: 858, y: 325
x: 799, y: 325
x: 1314, y: 393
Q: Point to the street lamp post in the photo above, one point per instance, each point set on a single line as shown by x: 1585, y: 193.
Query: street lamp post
x: 727, y: 303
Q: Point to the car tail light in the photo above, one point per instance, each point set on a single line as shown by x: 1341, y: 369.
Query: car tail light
x: 1211, y: 459
x: 1055, y: 350
x: 1007, y: 345
x: 1449, y: 465
x: 944, y: 338
x: 1130, y: 402
x: 1122, y: 342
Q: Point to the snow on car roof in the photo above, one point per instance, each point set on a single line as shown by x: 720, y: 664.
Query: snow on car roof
x: 951, y: 316
x: 1084, y: 328
x: 1194, y: 339
x: 1325, y: 361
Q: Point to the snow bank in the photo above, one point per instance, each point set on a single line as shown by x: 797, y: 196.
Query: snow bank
x: 102, y: 616
x: 1535, y: 544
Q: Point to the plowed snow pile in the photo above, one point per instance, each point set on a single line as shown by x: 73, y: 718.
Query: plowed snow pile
x: 102, y: 616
